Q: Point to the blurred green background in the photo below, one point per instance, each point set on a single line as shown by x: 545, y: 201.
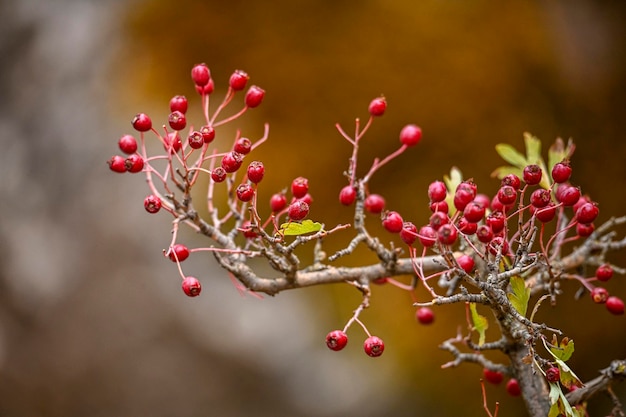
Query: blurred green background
x: 93, y: 321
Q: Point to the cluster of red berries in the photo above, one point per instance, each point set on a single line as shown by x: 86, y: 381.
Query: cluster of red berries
x: 338, y: 339
x: 496, y: 378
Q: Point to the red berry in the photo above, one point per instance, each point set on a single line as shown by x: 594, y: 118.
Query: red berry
x: 462, y: 197
x: 615, y: 305
x: 568, y: 195
x: 134, y: 163
x: 117, y: 163
x: 410, y: 135
x: 178, y: 252
x: 437, y: 191
x: 195, y: 140
x: 496, y: 220
x: 441, y: 206
x: 561, y: 171
x: 141, y: 122
x: 299, y: 187
x: 245, y: 192
x: 512, y: 180
x: 218, y: 174
x: 584, y: 230
x: 347, y: 195
x: 298, y: 210
x: 247, y: 230
x: 179, y: 103
x: 496, y: 205
x: 498, y: 244
x: 374, y: 203
x: 191, y: 286
x: 378, y: 106
x: 599, y: 295
x: 587, y: 213
x: 408, y: 234
x: 243, y: 146
x: 540, y: 198
x: 466, y: 227
x: 392, y: 222
x: 581, y: 201
x: 494, y: 377
x: 427, y: 236
x: 507, y: 195
x: 484, y: 234
x: 208, y: 133
x: 336, y: 340
x: 604, y: 272
x: 231, y: 161
x: 278, y: 202
x: 373, y: 346
x: 466, y: 263
x: 254, y: 96
x: 307, y: 198
x: 546, y: 213
x: 200, y: 75
x: 474, y: 212
x: 483, y: 200
x: 553, y: 374
x: 256, y: 171
x: 128, y: 144
x: 532, y: 174
x: 207, y: 89
x: 447, y: 234
x: 177, y: 120
x: 152, y: 204
x: 172, y: 142
x: 513, y: 388
x: 425, y: 315
x: 238, y: 80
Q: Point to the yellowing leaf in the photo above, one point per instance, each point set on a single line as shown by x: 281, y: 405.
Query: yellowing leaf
x: 297, y: 229
x: 520, y: 295
x: 533, y: 149
x: 480, y: 324
x: 452, y: 181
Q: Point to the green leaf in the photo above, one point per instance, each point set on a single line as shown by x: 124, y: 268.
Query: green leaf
x: 503, y: 171
x: 560, y: 355
x: 297, y: 229
x: 564, y: 351
x: 480, y: 324
x: 520, y: 294
x: 533, y: 149
x: 511, y: 155
x: 560, y: 405
x: 452, y: 181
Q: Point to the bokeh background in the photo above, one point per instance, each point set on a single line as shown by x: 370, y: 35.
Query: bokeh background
x: 92, y: 319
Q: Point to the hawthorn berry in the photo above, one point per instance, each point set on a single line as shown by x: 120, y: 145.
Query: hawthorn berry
x: 195, y: 140
x: 298, y: 210
x: 553, y: 374
x: 568, y: 195
x: 599, y: 295
x: 581, y: 201
x: 172, y: 142
x: 134, y: 163
x: 615, y: 305
x: 245, y: 192
x: 441, y: 206
x: 462, y: 197
x: 587, y: 213
x: 247, y: 230
x: 373, y: 346
x: 474, y: 212
x: 177, y: 120
x: 483, y: 200
x: 532, y: 174
x: 347, y: 195
x: 498, y: 244
x: 231, y: 161
x: 484, y: 234
x: 238, y: 80
x: 208, y: 133
x: 494, y: 377
x: 438, y: 219
x: 218, y: 174
x: 447, y: 234
x: 512, y: 180
x: 308, y: 198
x: 256, y: 171
x: 336, y: 340
x: 142, y: 122
x: 425, y: 315
x: 408, y: 234
x: 427, y: 236
x: 374, y: 203
x: 507, y: 195
x: 392, y: 222
x: 584, y: 230
x: 243, y: 146
x: 513, y: 388
x: 410, y: 135
x: 200, y: 75
x: 466, y: 227
x: 128, y: 144
x: 437, y: 191
x: 179, y: 103
x: 278, y: 202
x: 254, y: 96
x: 561, y: 171
x: 207, y: 89
x: 466, y: 263
x: 604, y: 272
x: 178, y: 252
x: 299, y: 187
x: 496, y: 220
x: 496, y: 205
x: 152, y: 204
x: 540, y: 198
x: 377, y: 106
x: 117, y: 163
x: 546, y: 213
x: 191, y: 286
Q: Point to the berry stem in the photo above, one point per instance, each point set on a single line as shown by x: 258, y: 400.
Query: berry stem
x: 379, y: 164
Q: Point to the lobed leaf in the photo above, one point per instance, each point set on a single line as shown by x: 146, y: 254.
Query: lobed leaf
x: 511, y: 155
x: 480, y: 324
x: 520, y: 295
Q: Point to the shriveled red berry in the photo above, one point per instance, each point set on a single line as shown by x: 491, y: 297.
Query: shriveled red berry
x: 336, y: 340
x: 532, y: 174
x: 584, y: 230
x: 540, y: 197
x: 615, y: 305
x: 177, y: 120
x: 553, y: 374
x: 347, y: 195
x: 245, y: 192
x: 278, y: 202
x: 374, y: 203
x: 494, y: 377
x: 152, y: 204
x: 466, y: 263
x: 507, y: 195
x: 299, y: 187
x: 392, y: 222
x: 238, y: 80
x: 546, y: 213
x: 425, y: 315
x: 200, y: 75
x: 231, y: 161
x: 172, y: 142
x: 568, y: 195
x: 512, y: 180
x: 218, y: 174
x: 561, y: 171
x: 447, y: 234
x: 410, y: 135
x: 195, y: 140
x: 142, y: 122
x: 134, y: 163
x: 128, y: 144
x: 474, y: 212
x: 117, y: 163
x: 191, y: 286
x: 513, y: 388
x: 256, y: 171
x: 587, y: 213
x: 178, y: 252
x: 298, y: 210
x: 437, y: 191
x: 373, y: 346
x: 208, y: 133
x: 599, y: 295
x: 604, y: 272
x: 496, y: 220
x: 179, y: 103
x: 254, y: 96
x: 378, y: 106
x: 466, y: 227
x: 484, y: 234
x: 408, y: 234
x: 243, y: 146
x: 427, y: 236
